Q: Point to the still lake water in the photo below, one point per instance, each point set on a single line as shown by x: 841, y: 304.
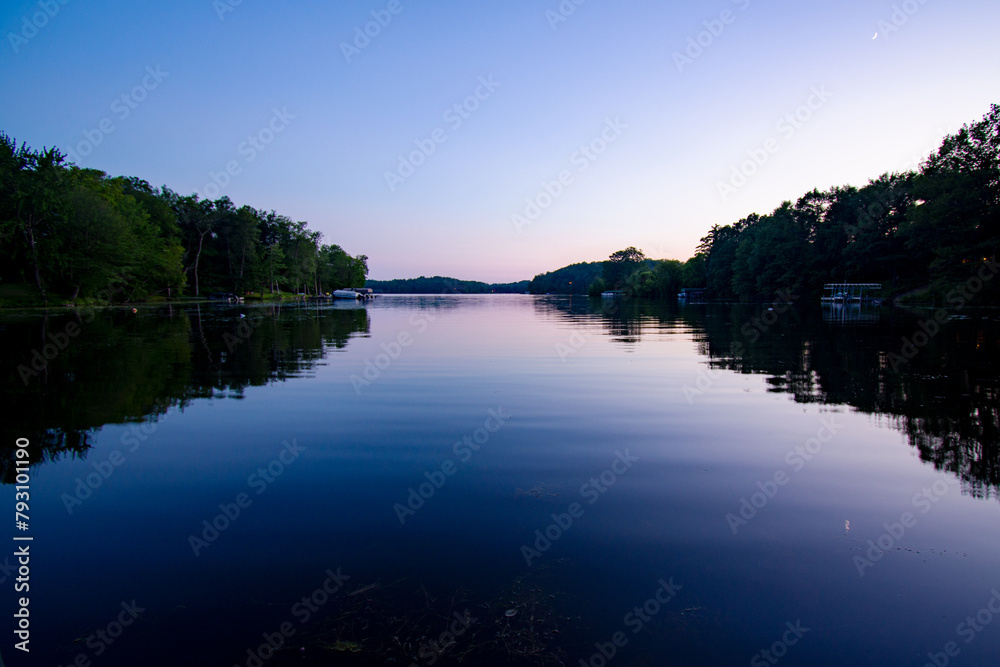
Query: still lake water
x: 539, y: 479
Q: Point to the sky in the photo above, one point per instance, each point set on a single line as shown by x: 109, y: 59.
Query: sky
x: 497, y: 140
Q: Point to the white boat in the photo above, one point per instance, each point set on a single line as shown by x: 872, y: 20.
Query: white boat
x: 345, y: 294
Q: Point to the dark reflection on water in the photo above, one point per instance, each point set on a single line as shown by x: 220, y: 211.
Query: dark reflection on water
x: 944, y: 394
x: 710, y: 401
x: 128, y: 367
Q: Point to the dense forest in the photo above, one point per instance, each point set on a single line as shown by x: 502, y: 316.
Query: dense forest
x: 79, y: 235
x: 572, y: 279
x: 921, y: 234
x: 628, y: 270
x: 442, y: 285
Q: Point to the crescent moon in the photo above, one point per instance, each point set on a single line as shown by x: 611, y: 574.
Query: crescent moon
x: 876, y: 35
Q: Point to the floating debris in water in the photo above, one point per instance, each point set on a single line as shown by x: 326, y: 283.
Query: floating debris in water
x: 396, y: 624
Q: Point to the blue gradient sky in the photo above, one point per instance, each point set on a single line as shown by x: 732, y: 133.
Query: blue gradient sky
x: 685, y: 129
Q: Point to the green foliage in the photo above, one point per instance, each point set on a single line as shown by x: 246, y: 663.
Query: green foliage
x: 668, y: 279
x: 84, y: 236
x: 652, y: 279
x: 621, y: 265
x: 597, y: 286
x: 339, y: 270
x: 926, y: 229
x: 441, y: 285
x: 634, y: 273
x: 693, y: 271
x: 955, y: 219
x: 80, y: 234
x: 572, y: 279
x: 32, y: 186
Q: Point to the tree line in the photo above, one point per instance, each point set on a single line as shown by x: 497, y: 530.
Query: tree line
x: 921, y: 233
x: 80, y: 235
x: 443, y: 285
x: 628, y: 270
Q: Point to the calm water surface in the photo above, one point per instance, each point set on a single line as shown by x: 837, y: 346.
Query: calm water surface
x: 536, y: 480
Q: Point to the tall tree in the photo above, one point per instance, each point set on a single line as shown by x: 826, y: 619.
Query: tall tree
x: 957, y: 197
x: 36, y: 187
x: 197, y: 218
x: 621, y: 264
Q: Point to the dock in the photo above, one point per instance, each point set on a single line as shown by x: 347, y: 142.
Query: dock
x: 850, y: 292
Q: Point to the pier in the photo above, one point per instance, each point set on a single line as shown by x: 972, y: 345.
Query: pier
x: 849, y: 292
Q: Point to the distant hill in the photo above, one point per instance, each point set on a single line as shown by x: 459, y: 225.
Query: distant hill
x: 572, y: 279
x: 443, y: 285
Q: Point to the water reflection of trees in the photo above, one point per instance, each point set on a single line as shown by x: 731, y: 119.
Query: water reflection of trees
x: 125, y: 367
x: 946, y: 399
x: 625, y: 320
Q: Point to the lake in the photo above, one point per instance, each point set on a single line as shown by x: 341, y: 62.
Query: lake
x: 505, y: 479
